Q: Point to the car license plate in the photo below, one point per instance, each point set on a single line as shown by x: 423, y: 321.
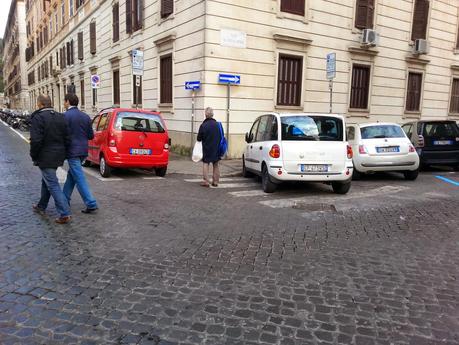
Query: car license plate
x: 388, y: 149
x: 314, y: 168
x: 140, y: 151
x: 443, y: 142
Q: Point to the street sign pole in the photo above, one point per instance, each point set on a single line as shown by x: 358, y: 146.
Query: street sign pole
x: 331, y: 74
x: 228, y: 79
x: 330, y: 86
x: 192, y: 122
x: 228, y: 113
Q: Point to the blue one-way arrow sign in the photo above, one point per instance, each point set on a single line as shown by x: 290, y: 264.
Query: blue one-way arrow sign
x: 192, y: 85
x: 229, y: 79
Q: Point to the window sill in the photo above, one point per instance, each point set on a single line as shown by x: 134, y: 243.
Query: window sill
x: 354, y: 112
x: 136, y: 33
x: 139, y: 106
x: 166, y: 107
x: 288, y: 107
x: 412, y: 114
x: 456, y: 51
x: 454, y: 116
x: 293, y: 16
x: 165, y: 19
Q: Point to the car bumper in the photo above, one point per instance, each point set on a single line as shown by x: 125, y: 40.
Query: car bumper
x: 118, y: 160
x: 387, y: 163
x: 279, y: 174
x: 440, y: 157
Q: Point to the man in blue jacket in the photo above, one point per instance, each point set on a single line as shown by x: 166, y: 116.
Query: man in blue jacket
x: 80, y: 128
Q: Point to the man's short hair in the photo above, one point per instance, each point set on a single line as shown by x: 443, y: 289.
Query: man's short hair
x: 44, y: 101
x: 72, y: 99
x: 209, y: 112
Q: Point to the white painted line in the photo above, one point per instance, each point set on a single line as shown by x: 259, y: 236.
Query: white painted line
x: 153, y: 178
x: 15, y: 131
x: 248, y: 193
x: 223, y: 179
x: 96, y: 175
x: 238, y: 185
x: 314, y: 199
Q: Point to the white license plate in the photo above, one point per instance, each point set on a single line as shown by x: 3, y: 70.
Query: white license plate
x: 140, y: 151
x: 388, y: 149
x: 443, y: 142
x: 314, y: 168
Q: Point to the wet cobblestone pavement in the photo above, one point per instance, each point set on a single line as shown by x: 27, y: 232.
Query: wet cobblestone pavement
x: 169, y: 262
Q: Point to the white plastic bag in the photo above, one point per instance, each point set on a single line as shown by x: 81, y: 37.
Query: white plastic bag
x: 197, y: 152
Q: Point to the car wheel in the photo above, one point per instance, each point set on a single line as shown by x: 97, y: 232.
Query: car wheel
x: 266, y: 183
x: 245, y: 172
x: 104, y: 169
x: 456, y: 168
x: 340, y: 187
x: 356, y: 175
x: 86, y: 163
x: 411, y: 175
x: 161, y: 171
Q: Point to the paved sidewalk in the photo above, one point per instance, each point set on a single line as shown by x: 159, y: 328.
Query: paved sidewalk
x: 184, y: 165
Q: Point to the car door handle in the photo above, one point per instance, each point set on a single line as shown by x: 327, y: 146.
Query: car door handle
x: 261, y: 147
x: 251, y: 146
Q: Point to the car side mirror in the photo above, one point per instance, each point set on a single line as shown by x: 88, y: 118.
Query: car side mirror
x: 247, y: 138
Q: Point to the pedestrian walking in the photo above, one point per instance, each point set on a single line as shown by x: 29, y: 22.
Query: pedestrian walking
x: 80, y: 129
x: 49, y: 139
x: 209, y: 135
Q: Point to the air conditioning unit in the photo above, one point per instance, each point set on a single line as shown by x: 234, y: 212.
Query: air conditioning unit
x: 370, y: 38
x: 420, y: 47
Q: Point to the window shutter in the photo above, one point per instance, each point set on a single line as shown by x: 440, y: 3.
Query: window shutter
x: 129, y: 16
x: 92, y: 38
x: 364, y: 16
x: 457, y: 38
x: 360, y: 86
x: 166, y: 79
x: 139, y: 14
x: 370, y: 14
x: 80, y: 46
x: 420, y: 18
x: 293, y: 6
x: 413, y: 94
x: 82, y: 101
x: 116, y: 87
x: 167, y: 8
x: 454, y: 104
x: 116, y: 22
x: 51, y: 63
x: 289, y: 85
x: 68, y: 54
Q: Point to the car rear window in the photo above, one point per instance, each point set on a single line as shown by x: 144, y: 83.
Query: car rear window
x: 139, y: 122
x: 318, y: 128
x: 441, y: 129
x: 381, y: 131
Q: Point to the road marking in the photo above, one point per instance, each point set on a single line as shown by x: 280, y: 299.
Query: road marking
x: 153, y: 178
x: 15, y: 131
x: 314, y: 199
x: 248, y: 193
x: 237, y: 185
x: 96, y: 175
x: 223, y: 179
x: 447, y: 180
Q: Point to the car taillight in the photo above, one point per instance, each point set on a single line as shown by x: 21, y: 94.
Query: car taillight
x: 112, y: 143
x: 275, y: 151
x: 362, y: 150
x: 412, y: 149
x: 420, y: 141
x: 350, y: 154
x: 166, y: 146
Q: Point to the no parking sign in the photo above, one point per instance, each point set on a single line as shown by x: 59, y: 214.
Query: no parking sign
x: 95, y: 81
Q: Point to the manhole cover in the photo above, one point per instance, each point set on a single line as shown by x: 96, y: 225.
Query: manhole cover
x: 313, y: 207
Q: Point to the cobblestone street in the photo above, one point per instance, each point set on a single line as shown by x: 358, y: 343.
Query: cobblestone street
x: 166, y: 261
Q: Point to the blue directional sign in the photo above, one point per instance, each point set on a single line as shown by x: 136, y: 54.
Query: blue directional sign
x: 192, y: 85
x: 229, y: 79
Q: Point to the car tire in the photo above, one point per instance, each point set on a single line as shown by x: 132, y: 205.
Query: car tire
x: 340, y: 187
x: 161, y: 172
x: 266, y: 183
x: 356, y: 175
x: 245, y: 172
x: 456, y: 168
x: 105, y: 170
x: 411, y: 175
x: 85, y: 163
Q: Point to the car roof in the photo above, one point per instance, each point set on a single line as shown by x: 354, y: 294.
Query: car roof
x: 131, y: 110
x: 307, y: 114
x: 376, y: 124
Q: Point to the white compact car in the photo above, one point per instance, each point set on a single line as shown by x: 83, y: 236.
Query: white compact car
x: 299, y: 147
x: 382, y: 147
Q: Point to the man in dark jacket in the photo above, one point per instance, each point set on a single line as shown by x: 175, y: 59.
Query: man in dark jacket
x: 209, y: 134
x: 49, y: 140
x: 80, y: 128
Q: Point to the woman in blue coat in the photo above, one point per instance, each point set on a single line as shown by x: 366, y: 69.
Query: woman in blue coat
x: 209, y: 134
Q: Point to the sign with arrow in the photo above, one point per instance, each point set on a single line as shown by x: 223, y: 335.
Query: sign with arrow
x: 192, y: 85
x: 229, y: 79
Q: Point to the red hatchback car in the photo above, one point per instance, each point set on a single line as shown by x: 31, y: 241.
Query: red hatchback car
x: 129, y: 138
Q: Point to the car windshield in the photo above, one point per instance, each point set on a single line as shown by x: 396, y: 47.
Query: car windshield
x: 441, y: 129
x: 382, y: 131
x: 139, y: 122
x: 318, y: 128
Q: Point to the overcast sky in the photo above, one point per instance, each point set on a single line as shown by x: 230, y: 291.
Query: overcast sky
x: 4, y: 9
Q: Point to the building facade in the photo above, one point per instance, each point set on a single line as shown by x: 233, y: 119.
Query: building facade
x: 395, y: 59
x: 14, y: 64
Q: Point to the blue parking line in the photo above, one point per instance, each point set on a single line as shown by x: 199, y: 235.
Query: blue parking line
x: 447, y: 180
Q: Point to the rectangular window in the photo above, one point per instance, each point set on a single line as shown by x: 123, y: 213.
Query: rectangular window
x: 293, y: 6
x: 51, y: 27
x: 63, y: 13
x: 134, y: 15
x: 289, y: 84
x: 80, y: 46
x: 116, y: 87
x: 166, y: 79
x: 56, y: 17
x: 94, y: 97
x: 457, y: 38
x: 82, y: 102
x: 92, y: 38
x: 137, y: 89
x: 69, y: 62
x: 413, y: 92
x: 420, y: 19
x: 454, y: 104
x: 116, y: 22
x: 364, y: 14
x: 51, y: 64
x: 79, y: 3
x: 360, y: 86
x: 167, y: 8
x: 71, y: 8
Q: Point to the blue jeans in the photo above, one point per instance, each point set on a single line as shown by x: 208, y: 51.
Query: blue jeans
x: 50, y: 187
x: 75, y: 177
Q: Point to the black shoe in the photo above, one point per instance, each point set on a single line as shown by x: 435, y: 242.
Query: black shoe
x: 89, y: 210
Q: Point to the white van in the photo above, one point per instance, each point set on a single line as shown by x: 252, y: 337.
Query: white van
x: 299, y: 147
